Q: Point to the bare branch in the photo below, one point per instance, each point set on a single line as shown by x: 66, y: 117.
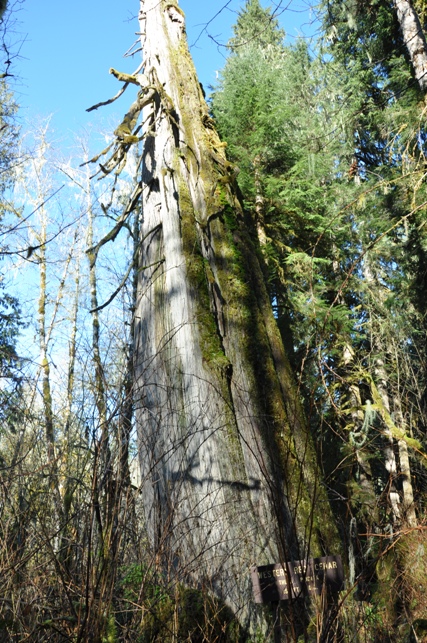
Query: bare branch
x: 110, y: 100
x: 123, y: 281
x: 120, y: 92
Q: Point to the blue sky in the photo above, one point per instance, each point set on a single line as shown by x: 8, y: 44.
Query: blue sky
x: 65, y: 51
x: 68, y: 49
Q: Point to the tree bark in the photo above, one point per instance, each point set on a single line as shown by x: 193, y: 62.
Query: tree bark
x: 354, y: 400
x: 229, y: 471
x: 388, y: 448
x: 414, y: 39
x: 408, y: 503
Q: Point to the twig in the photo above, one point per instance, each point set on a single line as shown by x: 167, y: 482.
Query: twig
x: 123, y: 281
x: 110, y: 100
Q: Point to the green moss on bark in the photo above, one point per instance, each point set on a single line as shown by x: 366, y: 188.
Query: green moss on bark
x: 240, y: 280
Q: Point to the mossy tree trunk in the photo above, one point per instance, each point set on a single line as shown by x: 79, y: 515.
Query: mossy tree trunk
x: 229, y: 470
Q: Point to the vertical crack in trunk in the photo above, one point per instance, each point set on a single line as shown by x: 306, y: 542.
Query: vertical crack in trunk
x: 230, y: 474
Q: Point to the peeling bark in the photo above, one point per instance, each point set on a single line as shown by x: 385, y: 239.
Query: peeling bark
x: 229, y: 472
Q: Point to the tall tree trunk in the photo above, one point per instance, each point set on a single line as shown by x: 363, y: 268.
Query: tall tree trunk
x: 405, y: 471
x: 101, y: 568
x: 229, y: 471
x: 259, y: 202
x: 388, y: 448
x: 403, y: 509
x: 414, y: 39
x: 358, y: 437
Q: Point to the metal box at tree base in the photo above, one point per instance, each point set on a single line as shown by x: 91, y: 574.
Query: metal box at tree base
x: 294, y: 579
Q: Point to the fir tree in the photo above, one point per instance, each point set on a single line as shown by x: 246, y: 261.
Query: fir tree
x: 256, y: 25
x: 338, y: 209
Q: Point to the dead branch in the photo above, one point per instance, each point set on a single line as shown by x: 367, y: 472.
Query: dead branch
x: 120, y: 92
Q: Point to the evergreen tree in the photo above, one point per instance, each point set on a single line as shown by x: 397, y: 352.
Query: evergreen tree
x: 366, y: 46
x: 277, y: 111
x: 256, y: 26
x: 337, y: 223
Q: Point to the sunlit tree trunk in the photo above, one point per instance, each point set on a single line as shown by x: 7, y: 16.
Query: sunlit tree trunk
x: 99, y: 375
x: 388, y: 448
x: 358, y: 437
x: 414, y: 39
x: 229, y: 471
x: 402, y: 508
x: 405, y: 472
x: 259, y: 202
x: 68, y: 484
x: 48, y: 305
x: 45, y: 366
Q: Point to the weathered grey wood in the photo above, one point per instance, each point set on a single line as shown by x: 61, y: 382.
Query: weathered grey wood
x: 414, y: 38
x: 229, y: 475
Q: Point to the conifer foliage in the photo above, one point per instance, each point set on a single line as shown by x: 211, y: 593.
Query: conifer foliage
x: 340, y: 214
x: 243, y: 379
